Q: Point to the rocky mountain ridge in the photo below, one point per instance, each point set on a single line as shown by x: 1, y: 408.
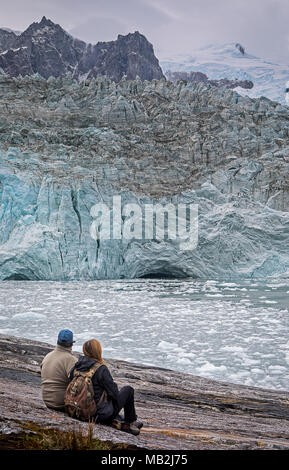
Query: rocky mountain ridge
x: 45, y: 48
x: 202, y: 77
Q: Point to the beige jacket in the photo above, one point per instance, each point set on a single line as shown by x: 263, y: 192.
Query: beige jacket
x: 55, y: 369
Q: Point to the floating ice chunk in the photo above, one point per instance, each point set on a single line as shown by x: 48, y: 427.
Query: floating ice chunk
x: 255, y: 370
x: 94, y: 314
x: 208, y: 367
x: 287, y: 357
x: 235, y: 349
x: 190, y: 355
x: 183, y: 360
x: 29, y: 315
x: 214, y: 295
x: 276, y: 370
x: 166, y: 346
x: 178, y: 350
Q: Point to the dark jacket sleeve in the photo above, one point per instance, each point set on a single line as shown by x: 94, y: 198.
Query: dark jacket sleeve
x: 109, y: 385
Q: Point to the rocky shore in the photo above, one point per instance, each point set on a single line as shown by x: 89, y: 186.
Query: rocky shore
x: 180, y: 411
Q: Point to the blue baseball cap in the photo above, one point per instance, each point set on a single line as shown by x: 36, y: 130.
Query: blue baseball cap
x: 65, y: 338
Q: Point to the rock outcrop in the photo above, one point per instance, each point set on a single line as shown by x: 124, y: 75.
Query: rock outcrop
x: 45, y: 48
x: 240, y: 48
x: 180, y: 411
x: 202, y: 77
x: 7, y: 39
x: 66, y: 146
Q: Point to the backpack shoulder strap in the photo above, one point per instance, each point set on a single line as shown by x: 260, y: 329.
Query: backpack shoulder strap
x: 93, y: 369
x: 89, y: 373
x: 103, y: 398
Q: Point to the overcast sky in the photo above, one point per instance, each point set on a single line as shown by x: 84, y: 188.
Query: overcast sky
x: 172, y: 26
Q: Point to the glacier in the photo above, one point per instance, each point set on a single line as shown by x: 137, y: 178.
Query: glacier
x: 219, y: 61
x: 65, y: 146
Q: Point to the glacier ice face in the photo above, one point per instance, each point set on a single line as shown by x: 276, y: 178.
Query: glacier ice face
x: 67, y: 146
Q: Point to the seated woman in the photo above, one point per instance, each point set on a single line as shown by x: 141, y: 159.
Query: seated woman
x: 102, y: 381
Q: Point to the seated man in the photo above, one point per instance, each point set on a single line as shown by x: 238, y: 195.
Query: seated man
x: 55, y: 369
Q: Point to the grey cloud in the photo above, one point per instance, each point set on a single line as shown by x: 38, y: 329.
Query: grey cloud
x: 173, y: 26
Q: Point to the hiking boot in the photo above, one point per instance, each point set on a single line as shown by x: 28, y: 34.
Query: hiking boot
x: 116, y: 424
x: 138, y: 424
x: 130, y: 428
x: 120, y: 417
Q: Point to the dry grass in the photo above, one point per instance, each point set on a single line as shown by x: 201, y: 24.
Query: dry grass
x: 36, y: 438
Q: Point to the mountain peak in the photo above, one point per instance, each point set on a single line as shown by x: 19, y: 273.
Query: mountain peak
x: 46, y: 22
x: 46, y: 48
x: 136, y: 34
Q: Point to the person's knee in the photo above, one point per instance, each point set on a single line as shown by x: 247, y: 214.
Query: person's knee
x: 129, y: 390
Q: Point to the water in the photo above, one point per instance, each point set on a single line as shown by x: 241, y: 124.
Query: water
x: 229, y: 331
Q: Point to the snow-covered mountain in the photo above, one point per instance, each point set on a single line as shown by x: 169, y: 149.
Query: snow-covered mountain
x: 9, y: 30
x: 233, y: 62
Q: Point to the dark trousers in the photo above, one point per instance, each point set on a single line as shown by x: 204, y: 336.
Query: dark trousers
x: 126, y: 402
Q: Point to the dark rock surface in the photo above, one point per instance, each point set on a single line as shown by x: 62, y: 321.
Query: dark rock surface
x: 45, y: 48
x: 180, y: 411
x: 240, y: 48
x: 200, y: 77
x: 7, y: 38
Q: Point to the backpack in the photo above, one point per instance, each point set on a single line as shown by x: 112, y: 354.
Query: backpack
x: 79, y: 396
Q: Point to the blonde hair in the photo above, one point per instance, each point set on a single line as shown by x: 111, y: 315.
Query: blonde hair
x: 93, y: 349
